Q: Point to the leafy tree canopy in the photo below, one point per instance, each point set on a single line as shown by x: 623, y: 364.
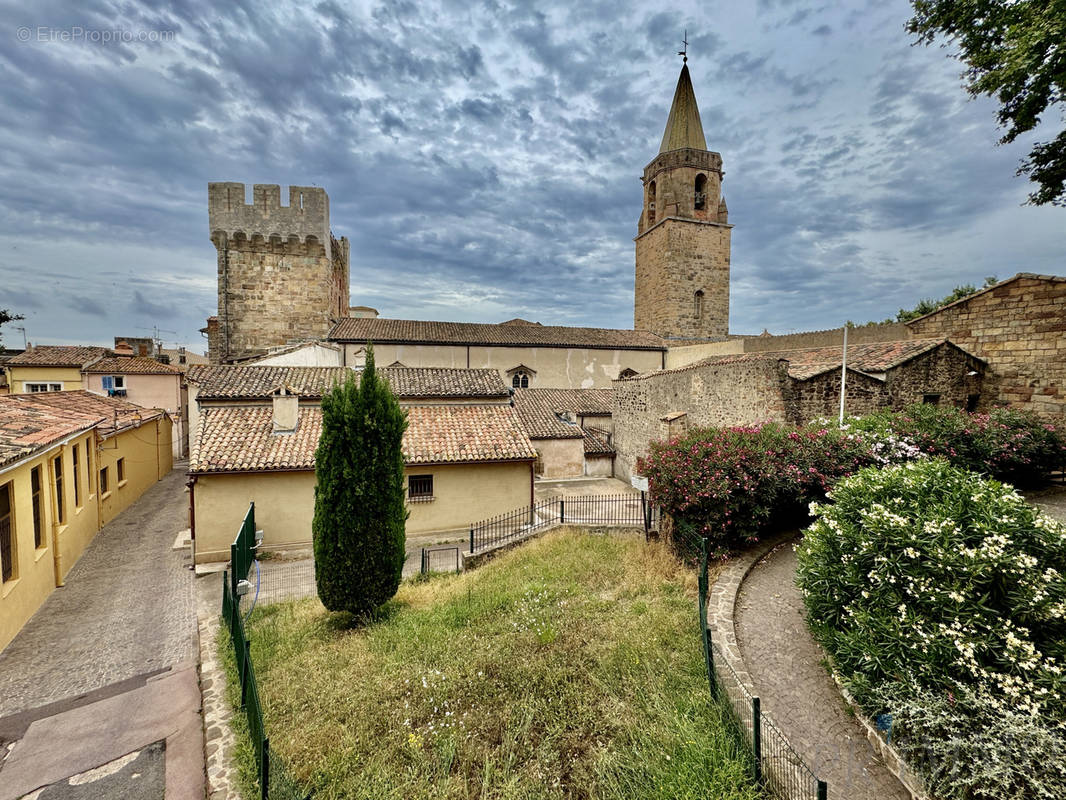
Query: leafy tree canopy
x: 1015, y: 51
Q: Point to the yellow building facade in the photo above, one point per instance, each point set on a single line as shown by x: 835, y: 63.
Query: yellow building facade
x: 54, y: 454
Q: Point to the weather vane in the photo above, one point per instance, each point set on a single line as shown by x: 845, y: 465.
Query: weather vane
x: 684, y: 53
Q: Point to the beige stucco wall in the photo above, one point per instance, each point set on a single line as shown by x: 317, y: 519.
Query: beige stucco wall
x: 690, y: 354
x: 70, y: 377
x: 285, y: 503
x: 148, y: 455
x: 560, y: 458
x: 313, y: 355
x: 555, y: 367
x: 599, y: 466
x: 150, y: 391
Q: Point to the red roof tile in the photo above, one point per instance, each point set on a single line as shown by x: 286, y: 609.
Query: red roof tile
x: 131, y: 365
x: 538, y: 409
x: 58, y: 356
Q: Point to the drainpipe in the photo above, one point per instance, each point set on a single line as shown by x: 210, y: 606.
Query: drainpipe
x: 57, y: 567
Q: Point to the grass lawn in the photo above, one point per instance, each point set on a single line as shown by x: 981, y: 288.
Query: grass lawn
x: 569, y: 667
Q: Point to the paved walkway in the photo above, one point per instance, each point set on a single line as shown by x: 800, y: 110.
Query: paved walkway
x: 786, y: 668
x: 127, y: 609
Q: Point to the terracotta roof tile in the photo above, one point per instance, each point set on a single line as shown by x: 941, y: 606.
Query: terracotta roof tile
x: 537, y: 409
x: 58, y: 356
x: 257, y: 382
x: 132, y: 365
x: 388, y: 331
x: 32, y: 422
x: 596, y: 443
x: 241, y: 438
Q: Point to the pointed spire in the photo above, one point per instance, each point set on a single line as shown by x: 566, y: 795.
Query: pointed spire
x: 683, y: 126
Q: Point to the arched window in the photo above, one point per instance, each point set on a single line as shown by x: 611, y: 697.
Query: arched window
x: 628, y: 372
x: 520, y: 380
x: 697, y: 303
x: 651, y: 203
x: 701, y: 192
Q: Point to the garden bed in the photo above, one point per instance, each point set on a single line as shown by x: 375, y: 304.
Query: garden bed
x: 568, y: 668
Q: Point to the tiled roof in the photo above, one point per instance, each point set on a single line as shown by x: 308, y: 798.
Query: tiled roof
x: 406, y: 331
x: 215, y: 382
x: 32, y: 422
x: 58, y: 356
x: 874, y: 357
x: 537, y: 409
x: 241, y: 438
x: 257, y: 382
x: 132, y: 365
x: 596, y: 444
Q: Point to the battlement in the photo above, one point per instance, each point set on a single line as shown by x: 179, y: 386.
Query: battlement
x: 306, y: 216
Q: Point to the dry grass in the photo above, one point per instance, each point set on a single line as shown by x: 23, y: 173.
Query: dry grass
x: 569, y: 667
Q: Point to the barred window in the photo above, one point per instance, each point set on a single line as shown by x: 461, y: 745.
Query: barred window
x: 420, y: 487
x: 38, y: 521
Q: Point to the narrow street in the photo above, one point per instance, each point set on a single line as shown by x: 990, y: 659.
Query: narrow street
x: 109, y: 660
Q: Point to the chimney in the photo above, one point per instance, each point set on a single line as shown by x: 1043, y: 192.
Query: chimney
x: 286, y: 410
x: 123, y: 349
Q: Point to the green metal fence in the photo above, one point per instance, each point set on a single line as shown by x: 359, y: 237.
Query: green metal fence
x: 242, y: 551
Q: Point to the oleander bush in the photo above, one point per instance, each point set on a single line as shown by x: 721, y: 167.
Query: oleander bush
x: 731, y: 484
x: 1006, y: 444
x: 941, y: 598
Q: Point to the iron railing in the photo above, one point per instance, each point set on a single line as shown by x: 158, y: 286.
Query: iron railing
x: 440, y: 559
x: 607, y: 509
x: 776, y: 765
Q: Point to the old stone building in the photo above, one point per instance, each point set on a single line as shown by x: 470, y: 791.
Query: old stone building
x: 789, y: 386
x: 683, y: 236
x: 282, y: 276
x: 1019, y: 327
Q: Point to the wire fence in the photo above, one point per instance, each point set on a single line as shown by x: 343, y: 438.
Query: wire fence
x: 601, y: 509
x: 776, y: 765
x: 440, y: 559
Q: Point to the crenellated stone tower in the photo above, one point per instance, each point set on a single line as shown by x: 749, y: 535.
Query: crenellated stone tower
x: 683, y: 237
x: 282, y: 276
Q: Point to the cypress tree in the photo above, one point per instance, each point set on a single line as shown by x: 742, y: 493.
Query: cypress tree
x: 360, y: 515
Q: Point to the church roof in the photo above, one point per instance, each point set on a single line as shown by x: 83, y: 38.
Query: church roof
x: 683, y: 126
x: 407, y: 331
x: 539, y: 410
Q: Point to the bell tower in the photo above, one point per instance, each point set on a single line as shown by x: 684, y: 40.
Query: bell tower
x: 683, y: 236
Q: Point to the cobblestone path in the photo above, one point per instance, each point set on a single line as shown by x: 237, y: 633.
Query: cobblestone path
x: 127, y: 609
x: 785, y: 664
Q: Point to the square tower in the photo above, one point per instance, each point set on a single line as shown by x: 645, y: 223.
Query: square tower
x: 282, y: 276
x: 683, y: 236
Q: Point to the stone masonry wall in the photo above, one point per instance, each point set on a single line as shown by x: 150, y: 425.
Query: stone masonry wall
x: 709, y: 394
x: 1019, y: 327
x: 282, y: 276
x: 819, y: 396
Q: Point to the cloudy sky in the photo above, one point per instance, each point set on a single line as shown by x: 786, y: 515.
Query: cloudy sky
x: 484, y: 157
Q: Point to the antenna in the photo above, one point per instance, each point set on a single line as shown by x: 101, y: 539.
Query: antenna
x: 684, y: 53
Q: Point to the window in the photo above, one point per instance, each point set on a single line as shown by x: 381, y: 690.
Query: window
x: 697, y: 304
x: 57, y: 471
x: 38, y: 521
x: 77, y: 478
x: 420, y: 487
x: 103, y: 481
x: 651, y: 203
x: 7, y: 534
x: 700, y: 199
x: 88, y: 466
x: 931, y: 399
x: 114, y: 385
x: 972, y: 402
x: 520, y: 380
x: 120, y: 468
x: 42, y: 387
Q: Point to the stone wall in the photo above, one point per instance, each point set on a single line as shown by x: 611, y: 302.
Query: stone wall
x: 282, y: 276
x: 1019, y: 327
x: 882, y: 332
x: 735, y: 393
x: 819, y: 396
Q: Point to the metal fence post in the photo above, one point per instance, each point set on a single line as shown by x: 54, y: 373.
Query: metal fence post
x: 823, y: 790
x: 756, y: 736
x: 264, y: 770
x: 245, y: 667
x: 562, y: 511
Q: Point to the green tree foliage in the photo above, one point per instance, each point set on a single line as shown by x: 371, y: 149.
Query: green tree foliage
x: 5, y: 317
x: 360, y: 515
x: 1015, y: 51
x: 928, y: 305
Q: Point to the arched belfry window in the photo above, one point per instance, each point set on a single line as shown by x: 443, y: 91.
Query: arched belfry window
x: 651, y: 203
x: 700, y: 192
x: 520, y: 380
x: 697, y: 304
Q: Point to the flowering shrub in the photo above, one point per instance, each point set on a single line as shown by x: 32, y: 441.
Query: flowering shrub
x: 727, y: 484
x: 941, y: 597
x: 1009, y: 445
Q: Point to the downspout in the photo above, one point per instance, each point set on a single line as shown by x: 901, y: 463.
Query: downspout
x: 468, y: 356
x: 532, y: 494
x: 56, y: 559
x: 158, y: 465
x: 663, y: 354
x: 191, y: 484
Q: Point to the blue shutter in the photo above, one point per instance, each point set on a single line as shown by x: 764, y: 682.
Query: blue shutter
x: 109, y: 383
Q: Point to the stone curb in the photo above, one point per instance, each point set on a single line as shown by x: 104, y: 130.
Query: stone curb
x: 219, y: 741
